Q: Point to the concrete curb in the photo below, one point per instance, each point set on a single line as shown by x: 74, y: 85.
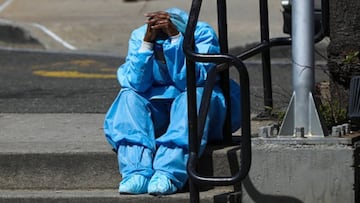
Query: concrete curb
x: 105, y: 196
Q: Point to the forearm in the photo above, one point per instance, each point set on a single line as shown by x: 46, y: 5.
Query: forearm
x: 136, y: 72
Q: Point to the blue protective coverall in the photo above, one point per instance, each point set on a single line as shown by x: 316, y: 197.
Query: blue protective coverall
x: 148, y: 123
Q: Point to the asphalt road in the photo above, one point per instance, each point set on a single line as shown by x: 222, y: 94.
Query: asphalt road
x: 53, y: 82
x: 56, y: 82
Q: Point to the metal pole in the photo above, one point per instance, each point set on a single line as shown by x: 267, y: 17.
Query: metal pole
x: 302, y: 118
x: 303, y: 57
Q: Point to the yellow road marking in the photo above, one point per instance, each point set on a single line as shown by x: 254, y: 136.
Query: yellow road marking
x: 73, y: 74
x: 83, y: 62
x: 74, y: 69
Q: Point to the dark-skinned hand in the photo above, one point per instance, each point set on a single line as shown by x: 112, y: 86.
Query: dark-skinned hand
x: 159, y: 22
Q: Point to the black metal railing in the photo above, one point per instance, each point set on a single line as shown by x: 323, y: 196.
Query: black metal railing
x: 224, y: 60
x: 196, y: 123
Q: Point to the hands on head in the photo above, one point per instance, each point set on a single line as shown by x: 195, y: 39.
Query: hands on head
x: 159, y: 24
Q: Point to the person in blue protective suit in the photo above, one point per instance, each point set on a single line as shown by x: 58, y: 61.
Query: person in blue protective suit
x: 148, y: 123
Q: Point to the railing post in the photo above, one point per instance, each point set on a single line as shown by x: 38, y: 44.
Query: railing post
x: 223, y: 41
x: 265, y: 57
x: 191, y: 98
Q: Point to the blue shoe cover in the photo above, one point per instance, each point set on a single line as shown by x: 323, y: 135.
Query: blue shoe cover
x: 161, y: 185
x: 135, y: 184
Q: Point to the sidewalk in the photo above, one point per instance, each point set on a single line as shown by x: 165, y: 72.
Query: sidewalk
x: 60, y: 133
x: 105, y: 26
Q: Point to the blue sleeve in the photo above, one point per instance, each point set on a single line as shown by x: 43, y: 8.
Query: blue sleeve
x: 205, y: 42
x: 136, y: 72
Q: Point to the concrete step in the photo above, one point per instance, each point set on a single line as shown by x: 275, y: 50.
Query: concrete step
x: 91, y: 177
x: 95, y: 170
x: 106, y: 196
x: 59, y: 171
x: 69, y: 151
x: 65, y: 158
x: 55, y: 151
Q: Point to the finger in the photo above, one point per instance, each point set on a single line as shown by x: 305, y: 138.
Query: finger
x: 162, y: 13
x: 160, y: 24
x: 159, y: 14
x: 151, y: 21
x: 155, y: 14
x: 151, y: 14
x: 157, y: 27
x: 163, y: 16
x: 159, y: 21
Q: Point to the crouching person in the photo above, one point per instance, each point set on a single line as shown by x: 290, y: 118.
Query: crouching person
x: 147, y: 125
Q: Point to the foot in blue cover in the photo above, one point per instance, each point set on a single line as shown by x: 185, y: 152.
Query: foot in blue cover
x: 135, y: 184
x: 161, y: 185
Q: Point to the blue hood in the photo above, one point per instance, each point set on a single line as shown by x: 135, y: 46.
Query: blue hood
x: 179, y: 18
